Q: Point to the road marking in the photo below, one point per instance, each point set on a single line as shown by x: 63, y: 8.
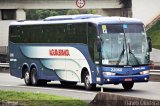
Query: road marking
x: 42, y: 88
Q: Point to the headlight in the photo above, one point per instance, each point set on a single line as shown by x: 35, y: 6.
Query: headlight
x: 109, y: 73
x: 144, y: 72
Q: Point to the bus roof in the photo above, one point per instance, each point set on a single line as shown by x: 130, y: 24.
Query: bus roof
x: 71, y: 17
x: 96, y: 19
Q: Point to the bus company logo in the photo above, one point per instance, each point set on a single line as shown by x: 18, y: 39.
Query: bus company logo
x: 59, y: 52
x: 138, y: 68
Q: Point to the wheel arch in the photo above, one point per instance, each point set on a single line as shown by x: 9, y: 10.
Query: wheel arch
x: 25, y: 67
x: 84, y: 69
x: 33, y: 65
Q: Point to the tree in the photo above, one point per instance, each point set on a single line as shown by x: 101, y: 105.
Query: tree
x: 82, y: 11
x: 71, y: 12
x: 41, y: 14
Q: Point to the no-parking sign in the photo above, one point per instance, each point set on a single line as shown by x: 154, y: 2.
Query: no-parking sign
x: 80, y: 3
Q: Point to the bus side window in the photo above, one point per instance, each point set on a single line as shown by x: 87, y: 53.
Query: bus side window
x: 15, y: 34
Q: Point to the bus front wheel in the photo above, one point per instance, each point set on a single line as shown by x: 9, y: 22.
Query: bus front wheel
x: 128, y: 85
x: 87, y: 84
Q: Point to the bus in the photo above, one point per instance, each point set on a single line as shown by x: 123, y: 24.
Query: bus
x: 86, y: 48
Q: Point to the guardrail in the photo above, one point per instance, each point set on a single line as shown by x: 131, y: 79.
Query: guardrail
x: 155, y: 72
x: 4, y: 65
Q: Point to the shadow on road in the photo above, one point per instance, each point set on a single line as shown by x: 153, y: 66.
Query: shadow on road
x: 81, y: 88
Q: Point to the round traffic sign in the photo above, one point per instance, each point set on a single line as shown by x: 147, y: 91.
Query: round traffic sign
x: 80, y: 3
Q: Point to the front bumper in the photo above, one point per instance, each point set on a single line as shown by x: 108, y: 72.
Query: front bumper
x: 122, y: 79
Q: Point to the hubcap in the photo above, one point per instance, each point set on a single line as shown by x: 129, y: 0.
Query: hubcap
x: 87, y: 80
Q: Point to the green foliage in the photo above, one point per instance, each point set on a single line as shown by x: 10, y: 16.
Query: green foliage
x: 154, y: 33
x: 71, y: 12
x: 41, y: 14
x: 38, y: 99
x: 84, y: 11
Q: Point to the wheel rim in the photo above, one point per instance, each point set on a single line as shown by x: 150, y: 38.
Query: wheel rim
x: 27, y: 77
x: 87, y: 80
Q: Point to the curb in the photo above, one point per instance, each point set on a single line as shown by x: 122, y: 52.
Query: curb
x: 110, y: 99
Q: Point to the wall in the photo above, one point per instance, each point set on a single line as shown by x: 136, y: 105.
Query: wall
x: 57, y: 4
x: 4, y: 26
x: 110, y: 12
x: 123, y: 12
x: 146, y: 10
x: 20, y: 14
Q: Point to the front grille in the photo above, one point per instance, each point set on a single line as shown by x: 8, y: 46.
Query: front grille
x: 127, y: 74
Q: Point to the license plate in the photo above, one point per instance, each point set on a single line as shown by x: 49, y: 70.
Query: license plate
x: 128, y: 79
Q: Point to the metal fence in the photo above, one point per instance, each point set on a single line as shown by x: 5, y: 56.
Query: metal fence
x: 3, y: 49
x: 4, y: 65
x: 155, y: 72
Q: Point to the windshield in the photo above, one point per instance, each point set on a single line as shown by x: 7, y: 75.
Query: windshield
x: 124, y: 44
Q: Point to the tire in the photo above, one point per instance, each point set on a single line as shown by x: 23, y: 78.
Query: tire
x: 87, y: 84
x: 68, y: 83
x: 27, y: 78
x: 34, y: 79
x: 128, y: 85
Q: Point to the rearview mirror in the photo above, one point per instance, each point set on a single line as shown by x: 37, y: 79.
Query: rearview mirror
x: 149, y: 44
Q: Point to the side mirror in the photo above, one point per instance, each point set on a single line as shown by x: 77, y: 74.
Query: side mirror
x: 98, y: 45
x: 149, y: 44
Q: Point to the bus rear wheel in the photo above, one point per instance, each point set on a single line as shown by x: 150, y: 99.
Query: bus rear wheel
x: 34, y: 80
x: 87, y: 84
x: 27, y: 78
x: 128, y: 85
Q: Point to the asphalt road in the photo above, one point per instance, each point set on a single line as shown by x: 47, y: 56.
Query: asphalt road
x: 150, y: 90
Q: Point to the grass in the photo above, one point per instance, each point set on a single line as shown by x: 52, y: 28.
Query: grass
x: 38, y: 99
x: 154, y: 33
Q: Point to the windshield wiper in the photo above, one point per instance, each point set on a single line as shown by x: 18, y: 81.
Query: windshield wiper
x: 121, y: 55
x: 130, y: 52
